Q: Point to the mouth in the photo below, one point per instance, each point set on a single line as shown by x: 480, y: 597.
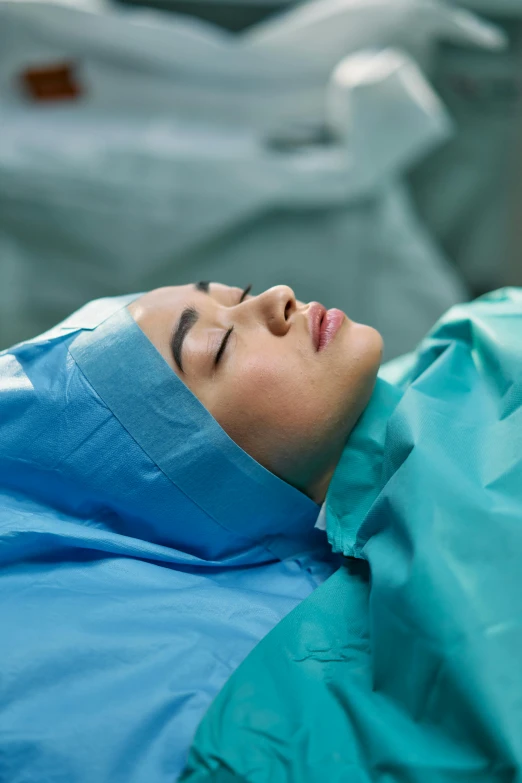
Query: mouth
x: 324, y: 324
x: 316, y: 316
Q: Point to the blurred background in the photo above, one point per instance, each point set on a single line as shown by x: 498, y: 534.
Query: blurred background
x: 366, y: 152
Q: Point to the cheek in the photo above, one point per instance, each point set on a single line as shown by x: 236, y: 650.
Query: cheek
x: 272, y: 402
x: 288, y: 403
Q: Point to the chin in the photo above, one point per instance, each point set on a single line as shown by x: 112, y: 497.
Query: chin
x: 359, y: 361
x: 366, y: 346
x: 367, y: 342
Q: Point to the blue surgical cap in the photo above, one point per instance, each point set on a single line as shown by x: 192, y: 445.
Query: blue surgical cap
x: 143, y: 554
x: 96, y: 422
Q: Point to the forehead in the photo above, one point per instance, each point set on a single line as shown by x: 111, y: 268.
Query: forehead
x: 172, y: 299
x: 160, y: 299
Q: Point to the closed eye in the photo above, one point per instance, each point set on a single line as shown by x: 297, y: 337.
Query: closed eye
x: 229, y: 331
x: 223, y: 346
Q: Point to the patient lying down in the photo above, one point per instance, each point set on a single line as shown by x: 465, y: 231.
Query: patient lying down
x: 163, y: 459
x: 286, y: 380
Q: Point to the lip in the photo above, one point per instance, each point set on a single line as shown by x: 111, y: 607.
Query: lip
x: 330, y: 325
x: 316, y: 314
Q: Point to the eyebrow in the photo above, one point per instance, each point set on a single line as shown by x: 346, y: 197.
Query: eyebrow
x: 188, y: 318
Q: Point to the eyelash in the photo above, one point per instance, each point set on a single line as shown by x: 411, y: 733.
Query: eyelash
x: 229, y: 332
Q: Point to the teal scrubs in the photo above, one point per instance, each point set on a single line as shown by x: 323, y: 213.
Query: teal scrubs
x: 406, y: 664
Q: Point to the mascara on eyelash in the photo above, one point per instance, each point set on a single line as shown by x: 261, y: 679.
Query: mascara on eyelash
x: 225, y: 338
x: 223, y: 345
x: 246, y: 292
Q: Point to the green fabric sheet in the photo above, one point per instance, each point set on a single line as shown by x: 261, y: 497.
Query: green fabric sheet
x: 406, y: 665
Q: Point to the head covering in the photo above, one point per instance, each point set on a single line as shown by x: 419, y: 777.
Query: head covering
x: 143, y: 554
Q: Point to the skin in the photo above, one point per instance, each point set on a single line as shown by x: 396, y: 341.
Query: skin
x: 287, y: 405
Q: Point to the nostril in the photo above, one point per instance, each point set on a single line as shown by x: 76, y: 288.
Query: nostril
x: 287, y: 309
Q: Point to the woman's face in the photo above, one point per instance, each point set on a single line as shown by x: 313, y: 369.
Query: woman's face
x: 254, y: 363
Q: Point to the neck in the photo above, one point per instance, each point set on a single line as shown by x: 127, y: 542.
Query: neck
x: 370, y: 427
x: 359, y: 475
x: 318, y: 490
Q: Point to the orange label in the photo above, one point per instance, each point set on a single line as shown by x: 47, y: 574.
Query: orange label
x: 54, y: 82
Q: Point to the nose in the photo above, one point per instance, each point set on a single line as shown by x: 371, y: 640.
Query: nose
x: 274, y: 308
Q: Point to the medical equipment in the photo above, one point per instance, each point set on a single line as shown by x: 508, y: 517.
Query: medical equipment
x: 190, y: 153
x: 468, y: 192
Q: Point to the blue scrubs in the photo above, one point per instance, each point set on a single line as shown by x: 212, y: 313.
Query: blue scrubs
x: 143, y: 554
